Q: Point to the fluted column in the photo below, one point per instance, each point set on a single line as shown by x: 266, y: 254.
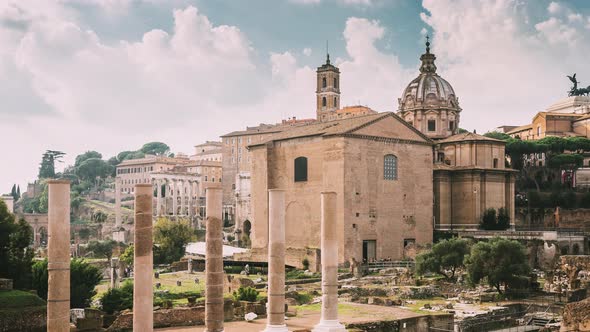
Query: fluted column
x: 214, y: 262
x: 174, y: 198
x: 191, y: 201
x: 183, y: 197
x: 276, y: 261
x: 58, y: 256
x: 158, y: 197
x: 143, y: 307
x: 117, y: 203
x: 329, y: 245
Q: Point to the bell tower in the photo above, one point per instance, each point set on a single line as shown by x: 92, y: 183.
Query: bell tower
x: 328, y: 90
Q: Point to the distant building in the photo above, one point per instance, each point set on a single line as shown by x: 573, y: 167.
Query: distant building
x: 135, y: 171
x: 569, y: 117
x: 9, y: 201
x: 208, y: 151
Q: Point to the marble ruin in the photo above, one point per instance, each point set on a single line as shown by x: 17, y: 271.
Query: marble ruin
x: 143, y: 299
x: 58, y: 266
x: 214, y: 262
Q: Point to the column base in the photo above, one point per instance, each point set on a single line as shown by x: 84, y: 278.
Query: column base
x: 276, y: 328
x: 329, y: 326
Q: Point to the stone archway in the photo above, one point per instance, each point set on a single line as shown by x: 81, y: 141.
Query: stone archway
x: 247, y: 227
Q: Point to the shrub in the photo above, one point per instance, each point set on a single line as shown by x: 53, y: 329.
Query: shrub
x: 246, y: 294
x: 305, y: 263
x: 83, y: 279
x: 489, y: 219
x: 118, y: 299
x: 446, y: 255
x: 503, y: 219
x: 19, y: 299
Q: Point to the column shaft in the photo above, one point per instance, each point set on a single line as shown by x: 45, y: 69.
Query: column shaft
x: 191, y: 205
x: 276, y: 261
x: 117, y: 203
x: 143, y: 308
x: 58, y: 256
x: 174, y: 198
x: 214, y: 262
x: 158, y: 197
x: 329, y: 245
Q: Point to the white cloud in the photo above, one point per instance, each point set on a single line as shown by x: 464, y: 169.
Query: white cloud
x: 502, y: 72
x: 343, y: 2
x: 307, y: 51
x: 554, y: 8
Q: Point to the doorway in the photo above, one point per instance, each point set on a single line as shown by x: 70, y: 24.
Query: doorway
x: 369, y: 250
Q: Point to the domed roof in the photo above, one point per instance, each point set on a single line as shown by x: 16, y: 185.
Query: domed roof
x: 428, y: 90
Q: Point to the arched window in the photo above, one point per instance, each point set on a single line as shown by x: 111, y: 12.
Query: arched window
x: 336, y: 82
x: 390, y: 167
x: 335, y: 102
x: 324, y: 102
x: 300, y: 169
x: 324, y: 83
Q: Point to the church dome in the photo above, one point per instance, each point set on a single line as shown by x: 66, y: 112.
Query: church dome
x: 428, y: 90
x: 429, y: 102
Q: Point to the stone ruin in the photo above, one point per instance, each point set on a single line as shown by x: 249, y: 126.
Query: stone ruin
x: 570, y: 276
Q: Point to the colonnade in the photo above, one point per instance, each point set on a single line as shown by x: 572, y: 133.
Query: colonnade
x: 59, y: 259
x: 176, y: 196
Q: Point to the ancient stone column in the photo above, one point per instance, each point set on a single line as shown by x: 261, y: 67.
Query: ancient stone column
x: 158, y: 197
x: 329, y: 246
x: 117, y: 203
x: 58, y: 256
x: 115, y: 272
x: 214, y: 262
x: 191, y: 205
x: 143, y: 316
x: 174, y: 198
x: 276, y: 261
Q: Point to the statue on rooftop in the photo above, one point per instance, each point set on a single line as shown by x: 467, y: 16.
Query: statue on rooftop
x: 574, y: 91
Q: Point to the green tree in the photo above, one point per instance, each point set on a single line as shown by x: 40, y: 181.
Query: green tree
x: 127, y: 256
x: 497, y: 135
x: 47, y: 168
x: 566, y: 161
x: 83, y: 280
x: 118, y: 299
x: 446, y: 255
x: 171, y: 239
x: 13, y: 192
x: 85, y: 156
x: 102, y: 249
x: 16, y: 255
x: 501, y: 262
x: 92, y: 168
x: 18, y: 192
x: 155, y: 148
x: 127, y: 155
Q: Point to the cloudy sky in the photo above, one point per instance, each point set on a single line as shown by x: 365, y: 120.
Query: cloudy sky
x: 110, y: 75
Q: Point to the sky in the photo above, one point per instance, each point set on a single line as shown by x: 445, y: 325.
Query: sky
x: 111, y: 75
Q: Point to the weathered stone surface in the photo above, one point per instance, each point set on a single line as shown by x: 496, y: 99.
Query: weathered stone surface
x: 164, y: 318
x: 32, y: 319
x: 576, y: 317
x: 5, y: 284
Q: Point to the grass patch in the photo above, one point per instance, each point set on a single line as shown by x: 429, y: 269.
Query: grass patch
x: 17, y: 299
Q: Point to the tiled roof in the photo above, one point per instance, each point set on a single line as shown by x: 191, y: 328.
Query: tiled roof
x: 336, y: 127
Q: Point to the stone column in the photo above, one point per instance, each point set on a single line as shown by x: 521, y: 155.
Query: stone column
x: 115, y: 272
x: 191, y: 199
x: 117, y: 203
x: 214, y: 262
x: 174, y: 198
x: 183, y: 197
x: 329, y: 245
x: 276, y: 261
x: 58, y: 256
x: 143, y: 308
x: 158, y: 197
